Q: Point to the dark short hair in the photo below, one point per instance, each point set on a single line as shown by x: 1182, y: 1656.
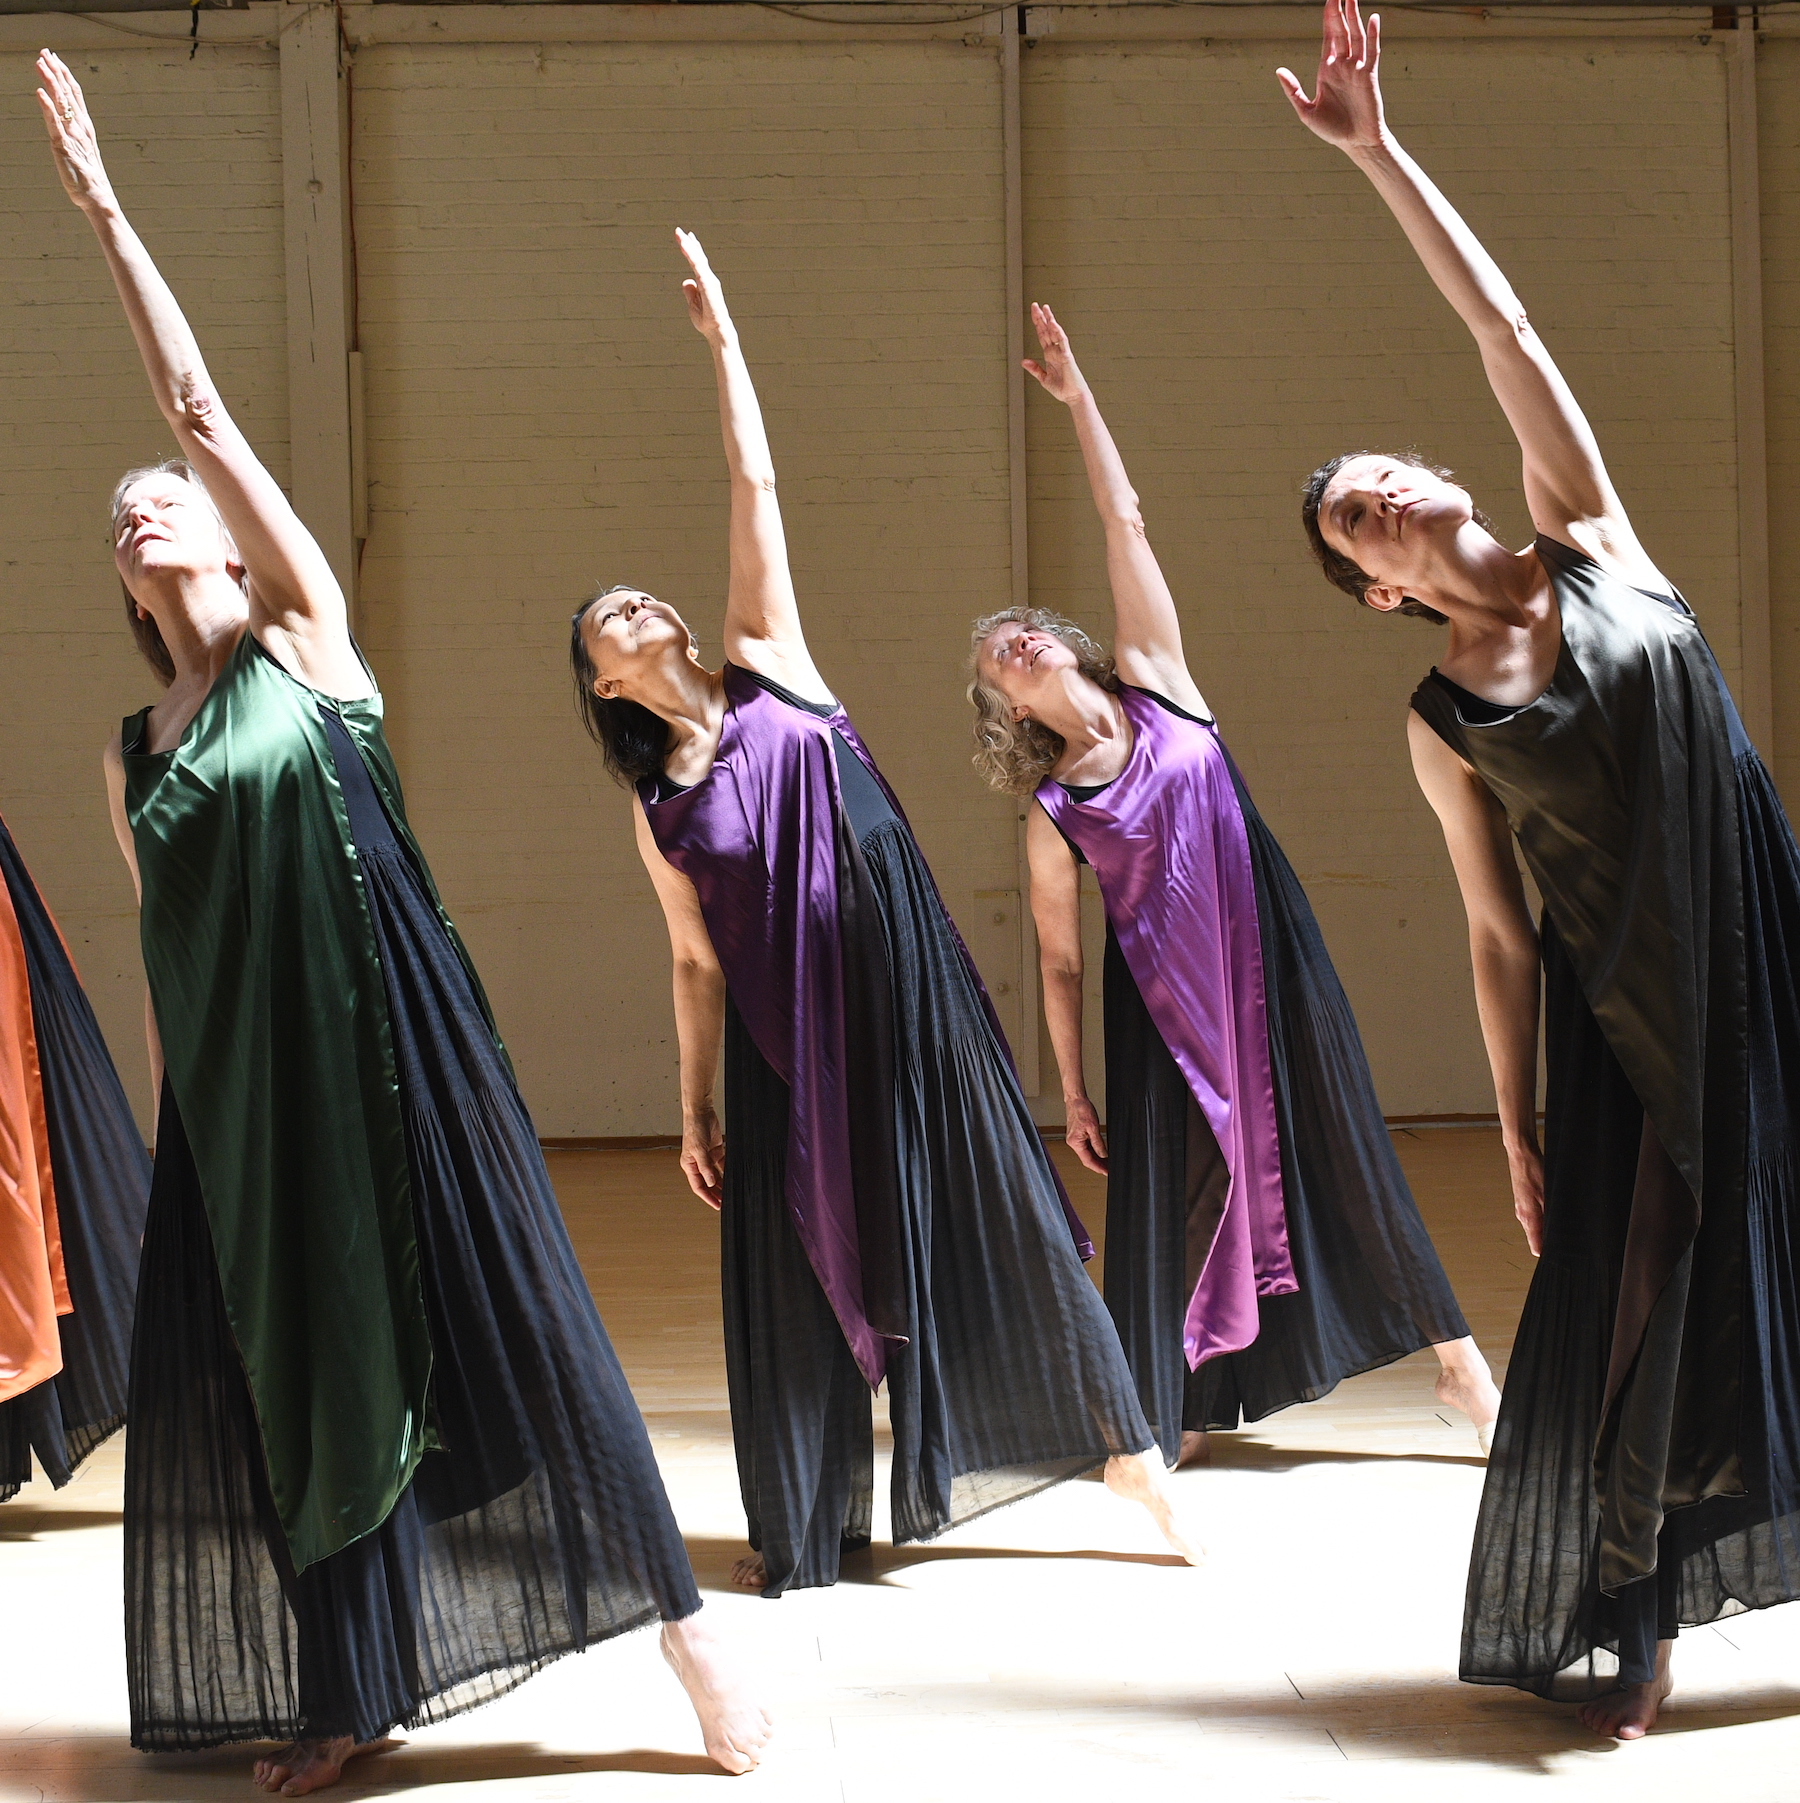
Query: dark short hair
x: 634, y: 743
x: 1344, y: 572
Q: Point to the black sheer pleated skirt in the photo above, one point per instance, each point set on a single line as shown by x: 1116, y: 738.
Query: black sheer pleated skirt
x: 540, y: 1528
x: 1535, y: 1616
x: 1012, y: 1378
x: 102, y: 1177
x: 1371, y: 1289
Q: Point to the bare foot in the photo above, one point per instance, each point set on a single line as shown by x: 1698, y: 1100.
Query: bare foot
x: 1196, y: 1449
x: 733, y: 1724
x: 1629, y: 1713
x: 749, y: 1572
x: 310, y: 1765
x: 1467, y: 1384
x: 1139, y: 1478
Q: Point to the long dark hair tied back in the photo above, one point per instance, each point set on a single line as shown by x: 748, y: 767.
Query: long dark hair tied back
x: 634, y: 743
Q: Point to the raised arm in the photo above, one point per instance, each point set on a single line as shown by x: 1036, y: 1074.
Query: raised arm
x: 1056, y: 908
x: 1503, y: 950
x: 1566, y: 485
x: 762, y: 617
x: 295, y: 600
x: 699, y: 1017
x: 1146, y: 631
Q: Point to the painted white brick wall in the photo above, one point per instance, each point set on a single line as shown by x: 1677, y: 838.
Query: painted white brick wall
x: 541, y: 419
x: 1246, y: 308
x: 195, y: 153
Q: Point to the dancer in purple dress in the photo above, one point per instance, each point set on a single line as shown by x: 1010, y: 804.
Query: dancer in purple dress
x: 888, y: 1209
x: 1262, y: 1244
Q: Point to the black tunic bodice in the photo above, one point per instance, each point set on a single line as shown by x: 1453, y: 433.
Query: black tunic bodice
x: 1620, y: 782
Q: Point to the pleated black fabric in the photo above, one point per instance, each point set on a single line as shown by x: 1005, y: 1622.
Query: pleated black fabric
x: 102, y: 1176
x: 1536, y: 1616
x: 1371, y: 1289
x: 539, y: 1528
x: 1012, y: 1378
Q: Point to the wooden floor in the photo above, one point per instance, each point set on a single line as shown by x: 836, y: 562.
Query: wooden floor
x: 1050, y: 1651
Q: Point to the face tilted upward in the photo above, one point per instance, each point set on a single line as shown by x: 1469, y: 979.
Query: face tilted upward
x: 1023, y: 661
x: 628, y: 631
x: 165, y: 526
x: 1392, y: 518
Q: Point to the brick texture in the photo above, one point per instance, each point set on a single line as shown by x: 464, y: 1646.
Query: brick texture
x: 542, y: 420
x: 195, y: 153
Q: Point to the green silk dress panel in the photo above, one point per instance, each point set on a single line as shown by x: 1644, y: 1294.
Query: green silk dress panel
x: 273, y: 1016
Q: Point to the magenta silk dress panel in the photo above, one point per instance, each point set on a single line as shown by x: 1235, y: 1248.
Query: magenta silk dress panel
x: 1168, y: 843
x: 758, y: 838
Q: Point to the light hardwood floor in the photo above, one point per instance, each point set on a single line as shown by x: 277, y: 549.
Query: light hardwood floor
x: 1050, y: 1651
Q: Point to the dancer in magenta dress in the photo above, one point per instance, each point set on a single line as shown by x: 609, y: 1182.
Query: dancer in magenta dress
x: 1262, y: 1244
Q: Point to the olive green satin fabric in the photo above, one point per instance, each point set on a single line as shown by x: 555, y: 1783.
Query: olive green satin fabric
x: 1619, y: 782
x: 269, y: 1001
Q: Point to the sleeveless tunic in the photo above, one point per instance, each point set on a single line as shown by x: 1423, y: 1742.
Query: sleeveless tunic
x: 1189, y: 871
x: 1004, y: 1374
x: 1168, y: 844
x: 73, y: 1182
x: 268, y: 998
x: 537, y: 1525
x: 1647, y: 1431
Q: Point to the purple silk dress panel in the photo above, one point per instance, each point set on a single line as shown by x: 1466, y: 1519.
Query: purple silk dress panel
x: 758, y: 838
x: 1168, y: 843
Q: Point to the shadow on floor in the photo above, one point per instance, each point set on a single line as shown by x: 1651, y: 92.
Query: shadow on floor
x: 713, y: 1559
x: 104, y: 1769
x: 1403, y: 1718
x: 26, y: 1521
x: 1236, y: 1452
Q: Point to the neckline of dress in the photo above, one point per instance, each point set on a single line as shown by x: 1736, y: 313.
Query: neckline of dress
x: 766, y: 685
x: 337, y: 703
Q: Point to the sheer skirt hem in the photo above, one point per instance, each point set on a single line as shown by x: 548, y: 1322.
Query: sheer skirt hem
x: 469, y: 1693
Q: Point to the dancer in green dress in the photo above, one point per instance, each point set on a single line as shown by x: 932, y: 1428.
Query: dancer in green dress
x: 382, y: 1462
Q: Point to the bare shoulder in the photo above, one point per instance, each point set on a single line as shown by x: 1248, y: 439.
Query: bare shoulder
x: 783, y: 660
x: 1165, y: 675
x: 1441, y: 771
x: 1610, y: 541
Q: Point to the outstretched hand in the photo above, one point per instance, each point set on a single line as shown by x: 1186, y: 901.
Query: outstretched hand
x: 705, y: 297
x: 1345, y: 109
x: 1057, y: 374
x: 72, y: 140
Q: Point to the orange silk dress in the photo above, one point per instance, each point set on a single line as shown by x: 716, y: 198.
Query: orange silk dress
x: 34, y: 1289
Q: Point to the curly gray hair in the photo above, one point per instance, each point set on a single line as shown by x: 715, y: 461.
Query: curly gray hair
x: 1014, y: 756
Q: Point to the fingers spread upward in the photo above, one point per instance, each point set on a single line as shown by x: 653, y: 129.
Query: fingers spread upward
x: 702, y: 290
x: 1345, y: 105
x: 1057, y: 373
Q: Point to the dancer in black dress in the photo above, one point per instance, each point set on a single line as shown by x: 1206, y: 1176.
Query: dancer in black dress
x: 1235, y: 1076
x: 1646, y: 1465
x: 382, y: 1462
x: 889, y: 1210
x: 74, y: 1177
